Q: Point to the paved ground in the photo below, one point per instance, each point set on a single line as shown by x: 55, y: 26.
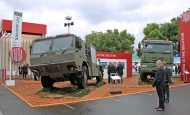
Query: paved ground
x: 137, y: 104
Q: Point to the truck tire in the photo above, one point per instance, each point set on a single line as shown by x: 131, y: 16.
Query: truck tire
x: 143, y: 76
x: 72, y: 80
x: 47, y: 82
x: 100, y: 77
x: 82, y: 79
x: 35, y: 78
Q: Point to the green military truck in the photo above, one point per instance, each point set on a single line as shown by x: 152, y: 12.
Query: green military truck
x: 64, y: 58
x: 152, y: 51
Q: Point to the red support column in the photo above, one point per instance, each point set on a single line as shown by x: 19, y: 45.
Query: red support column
x: 184, y: 26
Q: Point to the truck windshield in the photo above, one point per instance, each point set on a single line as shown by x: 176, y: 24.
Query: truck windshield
x: 41, y: 46
x: 155, y: 47
x: 62, y: 43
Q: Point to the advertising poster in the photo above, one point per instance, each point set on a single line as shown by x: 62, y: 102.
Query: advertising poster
x: 105, y: 62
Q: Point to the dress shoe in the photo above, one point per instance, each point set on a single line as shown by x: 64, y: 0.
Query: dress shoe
x: 160, y: 109
x: 167, y: 101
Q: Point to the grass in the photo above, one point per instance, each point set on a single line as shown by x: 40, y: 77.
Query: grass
x: 175, y: 76
x: 136, y: 74
x: 44, y: 90
x: 44, y: 96
x: 69, y: 91
x: 144, y: 82
x: 149, y: 81
x: 81, y: 92
x: 66, y: 91
x: 99, y: 84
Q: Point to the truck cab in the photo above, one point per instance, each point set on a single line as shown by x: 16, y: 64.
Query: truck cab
x: 152, y: 51
x: 64, y: 58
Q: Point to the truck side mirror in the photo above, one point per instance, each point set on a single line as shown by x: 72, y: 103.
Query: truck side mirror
x: 79, y: 43
x: 30, y: 49
x: 139, y: 45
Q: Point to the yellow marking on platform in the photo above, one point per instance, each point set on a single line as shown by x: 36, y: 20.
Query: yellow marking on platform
x: 87, y: 99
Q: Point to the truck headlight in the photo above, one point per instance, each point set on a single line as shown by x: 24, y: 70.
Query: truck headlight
x: 72, y: 68
x: 144, y: 65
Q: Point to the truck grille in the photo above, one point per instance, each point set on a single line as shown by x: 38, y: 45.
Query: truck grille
x: 154, y: 70
x: 52, y: 68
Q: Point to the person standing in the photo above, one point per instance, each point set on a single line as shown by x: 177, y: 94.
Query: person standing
x: 119, y: 70
x: 176, y: 69
x: 24, y: 71
x: 108, y: 72
x: 27, y: 76
x: 135, y: 68
x: 158, y: 82
x: 112, y: 69
x: 139, y: 69
x: 179, y: 69
x: 167, y: 81
x: 19, y: 71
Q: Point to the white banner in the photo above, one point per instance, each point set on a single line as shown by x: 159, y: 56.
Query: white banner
x: 16, y: 29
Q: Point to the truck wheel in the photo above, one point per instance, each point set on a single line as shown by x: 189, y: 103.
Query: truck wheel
x: 46, y: 82
x: 82, y: 79
x: 72, y: 80
x: 143, y: 76
x: 100, y: 77
x: 35, y: 78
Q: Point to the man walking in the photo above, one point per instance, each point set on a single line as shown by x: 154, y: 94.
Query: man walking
x: 167, y: 81
x: 158, y: 82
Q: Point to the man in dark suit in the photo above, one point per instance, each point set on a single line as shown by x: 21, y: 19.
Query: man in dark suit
x: 178, y: 69
x: 108, y: 72
x: 158, y: 82
x: 112, y: 69
x: 119, y: 70
x: 167, y: 81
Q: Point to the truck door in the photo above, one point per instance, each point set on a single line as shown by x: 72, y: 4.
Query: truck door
x: 94, y: 61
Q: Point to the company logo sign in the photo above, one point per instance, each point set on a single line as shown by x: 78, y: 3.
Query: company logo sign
x: 106, y: 55
x: 17, y: 55
x: 185, y: 17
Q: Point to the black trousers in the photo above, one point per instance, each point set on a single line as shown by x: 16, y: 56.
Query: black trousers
x: 166, y: 93
x: 24, y: 75
x: 160, y: 92
x: 121, y: 76
x: 108, y: 78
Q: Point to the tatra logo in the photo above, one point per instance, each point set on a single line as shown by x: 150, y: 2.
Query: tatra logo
x: 17, y: 54
x: 106, y: 55
x: 185, y: 17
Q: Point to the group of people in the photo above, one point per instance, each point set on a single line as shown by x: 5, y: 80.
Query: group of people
x: 113, y: 69
x: 162, y: 80
x: 23, y: 71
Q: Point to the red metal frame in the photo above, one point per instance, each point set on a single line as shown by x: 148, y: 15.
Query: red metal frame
x: 27, y: 28
x: 117, y: 55
x: 184, y: 48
